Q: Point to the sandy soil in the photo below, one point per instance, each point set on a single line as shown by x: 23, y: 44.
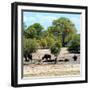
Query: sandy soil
x: 51, y: 70
x: 35, y: 69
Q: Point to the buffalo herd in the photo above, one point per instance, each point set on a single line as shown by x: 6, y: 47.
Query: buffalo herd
x: 47, y: 58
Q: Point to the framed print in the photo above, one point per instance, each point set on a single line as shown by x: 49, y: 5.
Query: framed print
x: 49, y: 44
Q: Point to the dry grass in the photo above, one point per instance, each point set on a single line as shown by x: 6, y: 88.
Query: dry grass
x: 51, y: 70
x: 32, y: 69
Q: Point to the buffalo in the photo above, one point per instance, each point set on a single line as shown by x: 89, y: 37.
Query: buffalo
x: 75, y: 58
x: 46, y: 56
x: 66, y: 60
x: 28, y: 57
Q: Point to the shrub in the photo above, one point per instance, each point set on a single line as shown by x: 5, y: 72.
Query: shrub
x: 55, y: 49
x: 75, y: 44
x: 43, y: 43
x: 30, y: 45
x: 50, y: 41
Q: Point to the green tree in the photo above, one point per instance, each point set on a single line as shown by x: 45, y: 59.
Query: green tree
x: 55, y: 30
x: 75, y: 44
x: 55, y: 50
x: 47, y: 39
x: 64, y: 27
x: 31, y: 33
x: 43, y: 43
x: 50, y: 41
x: 30, y: 45
x: 34, y: 31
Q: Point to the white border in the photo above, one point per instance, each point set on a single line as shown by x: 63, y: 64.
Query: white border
x: 82, y: 58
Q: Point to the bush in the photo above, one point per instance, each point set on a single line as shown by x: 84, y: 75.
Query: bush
x: 55, y: 49
x: 43, y: 43
x: 75, y: 44
x: 74, y: 47
x: 50, y: 41
x: 30, y: 45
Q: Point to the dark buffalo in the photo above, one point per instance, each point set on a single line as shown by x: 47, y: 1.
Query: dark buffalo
x: 75, y: 58
x: 46, y: 56
x: 66, y: 60
x: 51, y: 60
x: 27, y: 57
x: 30, y: 57
x: 61, y: 60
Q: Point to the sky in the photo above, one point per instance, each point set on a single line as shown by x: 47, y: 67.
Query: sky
x: 45, y: 18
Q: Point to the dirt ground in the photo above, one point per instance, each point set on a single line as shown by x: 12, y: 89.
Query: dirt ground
x: 51, y: 70
x: 69, y: 68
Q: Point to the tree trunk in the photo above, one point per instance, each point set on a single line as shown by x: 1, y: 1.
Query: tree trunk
x: 56, y: 60
x: 63, y: 40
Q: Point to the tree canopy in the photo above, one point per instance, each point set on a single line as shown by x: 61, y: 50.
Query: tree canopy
x: 61, y: 33
x: 65, y: 27
x: 30, y: 45
x: 34, y: 31
x: 75, y: 44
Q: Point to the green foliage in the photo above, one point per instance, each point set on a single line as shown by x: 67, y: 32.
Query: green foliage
x: 34, y: 31
x: 65, y: 28
x: 43, y: 43
x: 31, y: 33
x: 50, y: 41
x: 75, y: 44
x: 30, y: 45
x: 38, y: 28
x: 55, y: 30
x: 55, y: 49
x: 61, y: 33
